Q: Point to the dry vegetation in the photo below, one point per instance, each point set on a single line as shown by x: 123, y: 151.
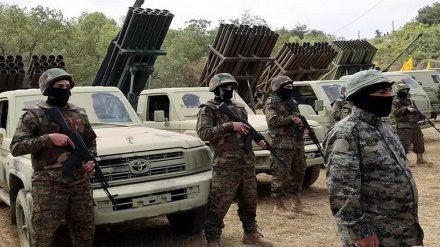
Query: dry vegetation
x: 312, y: 231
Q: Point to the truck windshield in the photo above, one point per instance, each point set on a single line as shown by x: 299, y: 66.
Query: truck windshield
x: 187, y: 103
x: 332, y: 91
x: 101, y: 107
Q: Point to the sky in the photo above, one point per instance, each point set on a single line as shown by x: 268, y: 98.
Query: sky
x: 351, y: 19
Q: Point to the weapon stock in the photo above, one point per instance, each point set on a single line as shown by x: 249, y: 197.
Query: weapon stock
x: 253, y: 133
x: 81, y: 152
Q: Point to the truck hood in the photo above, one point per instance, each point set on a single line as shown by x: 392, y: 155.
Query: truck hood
x: 135, y: 139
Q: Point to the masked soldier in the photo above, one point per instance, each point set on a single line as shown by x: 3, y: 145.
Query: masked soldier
x: 286, y: 132
x: 233, y: 170
x: 407, y: 118
x: 341, y: 107
x: 56, y: 196
x: 372, y: 193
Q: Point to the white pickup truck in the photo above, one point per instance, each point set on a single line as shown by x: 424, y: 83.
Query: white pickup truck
x: 153, y: 172
x: 176, y: 109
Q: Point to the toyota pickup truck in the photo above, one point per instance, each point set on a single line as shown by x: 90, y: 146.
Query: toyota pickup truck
x: 153, y: 172
x: 176, y: 109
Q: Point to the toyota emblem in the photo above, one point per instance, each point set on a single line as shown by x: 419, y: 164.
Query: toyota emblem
x: 139, y: 166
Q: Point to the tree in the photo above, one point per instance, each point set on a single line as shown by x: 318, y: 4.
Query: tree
x: 248, y: 19
x: 429, y: 14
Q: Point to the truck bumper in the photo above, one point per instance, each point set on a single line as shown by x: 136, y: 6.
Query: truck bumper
x: 262, y: 164
x: 149, y: 199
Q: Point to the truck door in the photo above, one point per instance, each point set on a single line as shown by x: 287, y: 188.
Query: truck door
x: 160, y: 103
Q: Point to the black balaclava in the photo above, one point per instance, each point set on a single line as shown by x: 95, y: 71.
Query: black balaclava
x: 285, y: 93
x: 402, y: 94
x: 223, y: 95
x: 58, y: 96
x: 377, y: 105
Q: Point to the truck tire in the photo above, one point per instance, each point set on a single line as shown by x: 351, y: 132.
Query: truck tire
x: 23, y: 213
x: 312, y: 174
x: 189, y: 222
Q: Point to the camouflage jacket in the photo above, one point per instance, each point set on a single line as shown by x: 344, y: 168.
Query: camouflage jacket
x: 371, y: 187
x: 405, y: 118
x: 340, y: 109
x: 279, y: 118
x: 217, y: 128
x: 32, y: 135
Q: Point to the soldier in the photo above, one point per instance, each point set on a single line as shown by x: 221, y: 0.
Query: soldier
x: 373, y: 196
x: 286, y: 132
x: 407, y: 120
x: 341, y: 107
x: 233, y: 170
x: 56, y: 196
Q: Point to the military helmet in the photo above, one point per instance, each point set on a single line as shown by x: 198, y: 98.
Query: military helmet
x: 279, y: 81
x: 51, y: 76
x: 221, y: 79
x: 401, y: 86
x: 362, y: 80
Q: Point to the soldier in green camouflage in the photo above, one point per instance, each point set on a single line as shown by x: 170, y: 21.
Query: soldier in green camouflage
x: 341, y: 107
x: 286, y: 133
x: 372, y: 193
x: 233, y: 170
x: 407, y: 118
x: 56, y: 196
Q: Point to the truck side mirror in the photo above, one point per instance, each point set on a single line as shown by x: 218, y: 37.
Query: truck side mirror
x: 319, y: 105
x: 159, y: 116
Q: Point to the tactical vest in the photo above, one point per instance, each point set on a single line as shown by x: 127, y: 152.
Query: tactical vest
x: 282, y: 110
x: 232, y: 140
x: 408, y: 119
x: 54, y: 156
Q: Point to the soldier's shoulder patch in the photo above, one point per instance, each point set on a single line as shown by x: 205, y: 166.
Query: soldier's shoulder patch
x: 370, y: 141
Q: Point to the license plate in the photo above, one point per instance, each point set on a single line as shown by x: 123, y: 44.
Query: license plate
x: 150, y: 200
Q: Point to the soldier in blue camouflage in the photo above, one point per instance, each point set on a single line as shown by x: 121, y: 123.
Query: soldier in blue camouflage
x: 407, y: 121
x: 56, y: 196
x: 373, y: 196
x: 286, y: 132
x: 341, y: 107
x: 233, y: 170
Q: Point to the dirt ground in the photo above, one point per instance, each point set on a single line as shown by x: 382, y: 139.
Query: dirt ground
x: 305, y: 231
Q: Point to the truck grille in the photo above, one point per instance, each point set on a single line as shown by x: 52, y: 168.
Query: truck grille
x: 138, y: 166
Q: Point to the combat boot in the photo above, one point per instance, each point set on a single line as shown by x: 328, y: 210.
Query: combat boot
x: 298, y: 207
x: 214, y: 244
x: 257, y: 239
x: 421, y: 160
x: 280, y: 210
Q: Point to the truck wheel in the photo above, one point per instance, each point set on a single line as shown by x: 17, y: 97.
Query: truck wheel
x: 23, y: 214
x: 189, y: 222
x: 312, y: 174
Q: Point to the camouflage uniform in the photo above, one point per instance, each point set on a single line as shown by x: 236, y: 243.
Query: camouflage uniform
x: 408, y: 129
x: 55, y: 196
x: 340, y: 109
x: 233, y: 170
x: 283, y: 138
x: 371, y: 188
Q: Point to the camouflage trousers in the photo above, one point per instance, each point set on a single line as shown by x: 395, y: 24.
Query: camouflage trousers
x: 230, y: 179
x: 55, y: 200
x: 414, y: 136
x: 289, y: 177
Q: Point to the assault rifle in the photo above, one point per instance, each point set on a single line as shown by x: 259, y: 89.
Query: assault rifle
x: 423, y: 117
x: 312, y: 134
x: 252, y: 135
x: 80, y: 153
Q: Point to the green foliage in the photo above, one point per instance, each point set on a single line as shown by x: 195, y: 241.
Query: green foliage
x: 429, y: 14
